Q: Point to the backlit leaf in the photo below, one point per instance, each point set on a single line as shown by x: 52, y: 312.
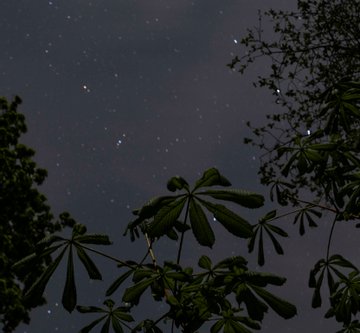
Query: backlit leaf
x: 283, y: 308
x: 89, y: 265
x: 89, y: 327
x: 133, y: 294
x: 243, y: 198
x: 69, y: 294
x: 200, y: 225
x: 37, y: 289
x: 93, y: 239
x: 177, y: 183
x: 231, y: 221
x: 205, y: 262
x: 211, y: 177
x: 166, y: 217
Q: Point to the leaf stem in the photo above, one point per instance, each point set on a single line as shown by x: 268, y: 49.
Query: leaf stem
x: 330, y: 238
x: 124, y: 263
x: 150, y: 250
x: 318, y: 205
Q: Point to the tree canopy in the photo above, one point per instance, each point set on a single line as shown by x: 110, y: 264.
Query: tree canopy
x: 25, y: 217
x: 314, y: 64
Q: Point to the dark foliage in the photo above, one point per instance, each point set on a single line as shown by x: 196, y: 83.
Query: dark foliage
x: 25, y: 217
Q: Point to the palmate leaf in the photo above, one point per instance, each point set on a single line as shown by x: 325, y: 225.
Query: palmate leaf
x: 146, y: 212
x: 345, y: 300
x: 306, y: 214
x: 283, y: 308
x: 93, y: 239
x: 211, y: 177
x: 132, y: 294
x: 318, y: 272
x: 106, y: 326
x: 232, y: 222
x: 270, y: 230
x: 37, y: 289
x: 48, y: 240
x: 89, y: 309
x: 89, y: 265
x: 177, y: 183
x: 278, y: 248
x: 116, y: 325
x: 205, y: 262
x: 263, y: 279
x: 28, y: 260
x: 147, y: 326
x: 232, y: 326
x: 113, y: 317
x: 153, y: 206
x: 89, y: 327
x: 217, y: 326
x: 69, y: 294
x: 165, y: 218
x: 243, y: 198
x: 116, y: 284
x: 255, y: 308
x: 200, y: 225
x: 44, y: 249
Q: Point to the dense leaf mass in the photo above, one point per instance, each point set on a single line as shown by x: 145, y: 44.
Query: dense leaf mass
x: 314, y: 70
x: 25, y: 217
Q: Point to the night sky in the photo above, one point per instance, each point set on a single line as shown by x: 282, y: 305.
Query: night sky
x: 121, y: 95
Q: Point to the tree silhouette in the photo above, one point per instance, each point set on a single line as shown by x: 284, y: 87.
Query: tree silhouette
x: 25, y: 217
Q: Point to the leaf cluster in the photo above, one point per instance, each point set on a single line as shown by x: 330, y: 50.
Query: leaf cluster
x: 228, y: 295
x: 25, y: 217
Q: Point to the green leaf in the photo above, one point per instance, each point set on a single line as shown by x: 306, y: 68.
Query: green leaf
x: 217, y: 326
x: 269, y: 216
x: 316, y: 298
x: 93, y: 239
x: 236, y: 327
x: 211, y: 177
x: 123, y: 315
x: 276, y: 244
x: 37, y: 289
x: 324, y: 146
x: 115, y: 285
x: 90, y: 266
x: 172, y: 234
x: 106, y: 326
x: 166, y: 217
x: 263, y: 279
x: 339, y: 260
x: 286, y: 169
x: 69, y: 294
x: 241, y: 197
x: 283, y: 308
x: 254, y: 306
x: 276, y: 229
x: 231, y: 221
x: 133, y: 294
x: 28, y: 260
x: 89, y: 327
x: 89, y: 309
x: 116, y: 325
x: 177, y: 183
x: 200, y: 225
x: 46, y: 241
x: 205, y: 262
